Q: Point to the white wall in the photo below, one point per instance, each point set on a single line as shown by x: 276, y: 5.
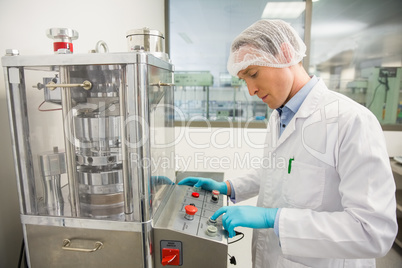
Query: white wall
x: 23, y: 24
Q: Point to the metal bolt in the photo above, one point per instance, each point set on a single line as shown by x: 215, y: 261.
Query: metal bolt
x: 12, y: 52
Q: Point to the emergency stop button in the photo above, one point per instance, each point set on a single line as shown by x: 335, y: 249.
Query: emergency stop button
x: 170, y: 256
x: 195, y: 194
x: 190, y: 212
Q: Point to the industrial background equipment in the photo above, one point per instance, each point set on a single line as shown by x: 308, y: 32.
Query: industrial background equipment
x: 381, y: 86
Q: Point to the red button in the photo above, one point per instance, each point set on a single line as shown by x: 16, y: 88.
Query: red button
x: 190, y: 209
x: 196, y: 195
x: 170, y: 256
x: 215, y: 192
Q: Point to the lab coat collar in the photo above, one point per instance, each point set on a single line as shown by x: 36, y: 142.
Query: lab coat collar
x: 307, y: 108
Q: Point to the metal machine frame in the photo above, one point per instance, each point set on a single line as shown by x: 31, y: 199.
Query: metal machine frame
x: 97, y: 202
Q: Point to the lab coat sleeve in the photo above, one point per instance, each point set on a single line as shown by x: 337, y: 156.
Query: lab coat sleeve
x: 247, y: 186
x: 366, y: 228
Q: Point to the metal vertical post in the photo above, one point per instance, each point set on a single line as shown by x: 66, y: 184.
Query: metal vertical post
x: 144, y: 153
x: 127, y: 190
x: 69, y: 140
x: 307, y: 33
x: 18, y: 114
x: 207, y: 101
x: 141, y: 90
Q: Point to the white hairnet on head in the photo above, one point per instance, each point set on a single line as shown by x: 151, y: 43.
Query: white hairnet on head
x: 272, y: 43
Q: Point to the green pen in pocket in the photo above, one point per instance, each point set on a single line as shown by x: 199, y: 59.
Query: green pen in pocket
x: 290, y: 165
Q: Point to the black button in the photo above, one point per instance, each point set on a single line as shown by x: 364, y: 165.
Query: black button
x: 283, y: 125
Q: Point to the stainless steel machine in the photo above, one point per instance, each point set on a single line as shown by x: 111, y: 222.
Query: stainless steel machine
x: 93, y: 140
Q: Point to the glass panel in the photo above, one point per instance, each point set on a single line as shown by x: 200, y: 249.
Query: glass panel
x: 94, y: 133
x: 356, y: 47
x: 96, y: 129
x: 39, y: 142
x: 201, y: 33
x: 162, y: 135
x: 92, y: 140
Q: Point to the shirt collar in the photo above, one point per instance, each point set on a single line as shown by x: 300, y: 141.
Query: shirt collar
x: 296, y: 101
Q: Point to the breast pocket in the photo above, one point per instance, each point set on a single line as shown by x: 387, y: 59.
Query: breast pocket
x: 303, y: 187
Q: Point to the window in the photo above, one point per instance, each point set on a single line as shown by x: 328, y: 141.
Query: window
x: 355, y: 47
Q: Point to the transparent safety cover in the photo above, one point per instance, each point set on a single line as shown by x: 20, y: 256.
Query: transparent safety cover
x: 97, y: 152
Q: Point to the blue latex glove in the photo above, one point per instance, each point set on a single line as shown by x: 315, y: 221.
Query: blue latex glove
x: 246, y: 216
x: 206, y: 184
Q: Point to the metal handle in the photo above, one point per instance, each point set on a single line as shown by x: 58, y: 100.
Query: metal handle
x: 67, y: 244
x: 100, y: 44
x: 160, y: 84
x: 86, y: 85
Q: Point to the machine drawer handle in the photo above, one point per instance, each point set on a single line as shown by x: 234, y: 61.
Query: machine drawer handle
x: 67, y: 246
x: 86, y: 85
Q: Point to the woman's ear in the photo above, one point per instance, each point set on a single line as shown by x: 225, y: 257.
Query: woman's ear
x: 287, y: 52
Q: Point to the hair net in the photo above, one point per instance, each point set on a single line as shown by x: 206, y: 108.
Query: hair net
x: 272, y: 43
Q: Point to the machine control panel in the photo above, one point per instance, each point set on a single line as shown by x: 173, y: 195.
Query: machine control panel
x: 184, y: 234
x: 195, y: 211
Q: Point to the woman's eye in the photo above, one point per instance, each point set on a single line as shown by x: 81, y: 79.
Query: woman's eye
x: 254, y: 75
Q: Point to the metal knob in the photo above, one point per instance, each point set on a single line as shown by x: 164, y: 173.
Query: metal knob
x: 212, y: 230
x: 62, y: 39
x: 212, y: 222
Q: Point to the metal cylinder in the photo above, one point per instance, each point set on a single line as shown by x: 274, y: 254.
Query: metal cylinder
x: 101, y: 191
x: 53, y: 199
x: 102, y: 182
x: 98, y: 156
x: 52, y: 165
x: 97, y: 128
x: 147, y: 39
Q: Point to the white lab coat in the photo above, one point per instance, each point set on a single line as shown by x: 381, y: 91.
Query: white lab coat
x: 338, y: 200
